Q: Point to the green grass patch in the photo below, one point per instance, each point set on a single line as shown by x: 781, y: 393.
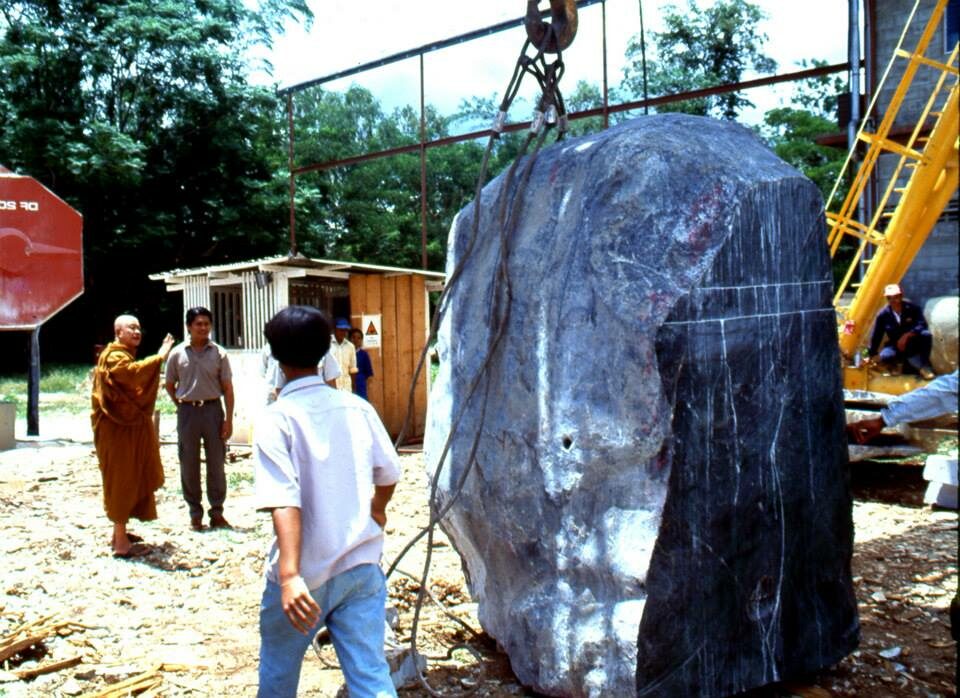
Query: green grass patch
x: 68, y: 385
x: 236, y: 479
x: 947, y: 445
x: 65, y: 378
x: 164, y: 403
x: 54, y: 378
x: 64, y: 388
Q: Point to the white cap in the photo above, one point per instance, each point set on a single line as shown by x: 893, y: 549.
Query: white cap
x: 892, y: 290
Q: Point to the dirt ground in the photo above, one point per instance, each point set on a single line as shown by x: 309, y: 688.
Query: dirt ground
x: 182, y: 617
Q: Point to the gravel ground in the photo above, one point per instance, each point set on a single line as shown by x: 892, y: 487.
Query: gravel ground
x: 184, y: 614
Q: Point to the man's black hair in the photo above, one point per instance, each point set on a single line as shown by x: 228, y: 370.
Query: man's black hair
x: 195, y: 312
x: 299, y: 336
x: 355, y: 330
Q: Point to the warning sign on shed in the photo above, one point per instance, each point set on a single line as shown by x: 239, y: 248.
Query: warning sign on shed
x: 371, y: 331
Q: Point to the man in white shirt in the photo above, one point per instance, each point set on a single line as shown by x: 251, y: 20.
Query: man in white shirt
x: 346, y: 354
x: 272, y: 375
x: 325, y: 469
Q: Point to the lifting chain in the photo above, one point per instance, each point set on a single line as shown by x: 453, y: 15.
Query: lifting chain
x: 545, y: 38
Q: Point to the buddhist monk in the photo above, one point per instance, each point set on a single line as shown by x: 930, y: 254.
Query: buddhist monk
x: 124, y: 394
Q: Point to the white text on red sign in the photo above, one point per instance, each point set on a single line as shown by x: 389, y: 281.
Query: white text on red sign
x: 32, y: 206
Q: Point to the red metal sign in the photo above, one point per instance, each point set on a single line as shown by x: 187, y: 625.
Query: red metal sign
x: 41, y: 253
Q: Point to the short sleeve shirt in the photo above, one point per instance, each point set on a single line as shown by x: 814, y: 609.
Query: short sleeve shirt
x: 322, y: 451
x: 198, y: 375
x: 346, y: 355
x: 329, y: 366
x: 273, y: 374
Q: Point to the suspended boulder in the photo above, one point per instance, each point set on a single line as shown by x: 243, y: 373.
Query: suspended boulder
x: 646, y: 476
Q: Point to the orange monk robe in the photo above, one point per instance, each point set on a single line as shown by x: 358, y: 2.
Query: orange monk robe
x: 124, y: 394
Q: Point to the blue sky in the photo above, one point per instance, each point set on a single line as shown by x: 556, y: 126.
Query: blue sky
x: 347, y: 33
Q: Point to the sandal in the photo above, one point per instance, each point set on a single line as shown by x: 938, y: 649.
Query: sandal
x: 132, y: 537
x: 135, y: 551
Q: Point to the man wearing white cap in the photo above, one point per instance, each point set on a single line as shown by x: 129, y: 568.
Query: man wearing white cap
x: 910, y: 341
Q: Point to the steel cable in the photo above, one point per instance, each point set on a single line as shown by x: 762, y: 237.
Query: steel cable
x: 551, y: 111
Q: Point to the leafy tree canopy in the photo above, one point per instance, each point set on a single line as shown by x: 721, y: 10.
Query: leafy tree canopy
x: 700, y: 48
x: 371, y: 212
x: 792, y: 131
x: 138, y: 114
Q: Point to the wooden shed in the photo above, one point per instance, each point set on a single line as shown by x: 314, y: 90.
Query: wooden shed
x: 390, y: 305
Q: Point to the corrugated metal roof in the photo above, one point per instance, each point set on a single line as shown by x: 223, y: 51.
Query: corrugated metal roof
x: 296, y: 262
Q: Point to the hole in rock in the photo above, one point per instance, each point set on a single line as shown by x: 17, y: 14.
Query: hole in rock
x: 567, y: 443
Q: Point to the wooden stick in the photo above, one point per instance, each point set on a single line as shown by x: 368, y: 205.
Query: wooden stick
x: 39, y: 621
x: 122, y: 688
x: 27, y: 626
x: 148, y: 685
x: 33, y: 628
x: 152, y: 692
x: 10, y: 650
x: 41, y: 629
x: 47, y: 668
x: 179, y: 668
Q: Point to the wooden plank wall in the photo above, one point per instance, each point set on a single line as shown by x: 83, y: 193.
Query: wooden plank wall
x: 401, y: 301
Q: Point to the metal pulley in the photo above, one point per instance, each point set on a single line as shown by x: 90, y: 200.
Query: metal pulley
x: 557, y: 34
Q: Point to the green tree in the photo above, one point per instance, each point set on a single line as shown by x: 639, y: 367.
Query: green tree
x: 138, y: 113
x: 701, y: 48
x: 371, y: 211
x: 792, y: 130
x: 480, y: 112
x: 587, y: 95
x: 792, y: 133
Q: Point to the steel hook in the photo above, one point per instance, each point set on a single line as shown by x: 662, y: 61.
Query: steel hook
x: 556, y: 35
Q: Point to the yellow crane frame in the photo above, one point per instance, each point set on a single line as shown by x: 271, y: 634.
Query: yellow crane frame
x: 889, y: 242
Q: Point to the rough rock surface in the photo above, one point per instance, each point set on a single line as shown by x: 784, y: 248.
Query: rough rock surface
x: 648, y: 375
x: 942, y: 315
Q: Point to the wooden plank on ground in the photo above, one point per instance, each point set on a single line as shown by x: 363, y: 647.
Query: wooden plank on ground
x: 33, y: 672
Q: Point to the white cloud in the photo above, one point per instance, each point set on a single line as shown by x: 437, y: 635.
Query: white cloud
x: 347, y: 33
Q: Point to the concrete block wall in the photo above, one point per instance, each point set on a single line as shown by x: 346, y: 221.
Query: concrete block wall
x: 934, y: 272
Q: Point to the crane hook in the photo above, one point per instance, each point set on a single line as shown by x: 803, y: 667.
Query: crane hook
x: 563, y: 23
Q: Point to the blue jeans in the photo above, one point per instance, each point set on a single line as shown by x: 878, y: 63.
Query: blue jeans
x: 351, y: 606
x: 916, y: 354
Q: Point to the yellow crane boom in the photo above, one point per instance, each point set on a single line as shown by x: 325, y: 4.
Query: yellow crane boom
x: 921, y: 181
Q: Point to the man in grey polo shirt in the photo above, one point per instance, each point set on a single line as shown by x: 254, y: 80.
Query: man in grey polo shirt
x: 198, y: 373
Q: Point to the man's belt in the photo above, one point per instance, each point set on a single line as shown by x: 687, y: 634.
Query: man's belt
x: 198, y: 403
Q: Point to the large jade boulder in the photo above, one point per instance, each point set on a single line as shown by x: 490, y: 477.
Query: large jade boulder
x: 640, y: 352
